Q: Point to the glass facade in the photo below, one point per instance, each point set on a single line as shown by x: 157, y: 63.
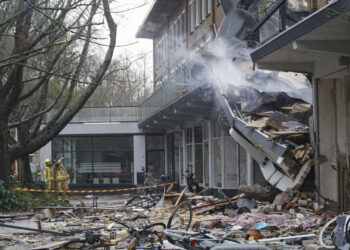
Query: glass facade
x: 206, y: 152
x: 198, y: 143
x: 174, y: 157
x: 96, y: 160
x: 155, y: 155
x: 217, y: 168
x: 231, y: 166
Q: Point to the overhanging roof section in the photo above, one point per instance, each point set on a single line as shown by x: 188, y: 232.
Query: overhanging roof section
x: 297, y: 48
x: 157, y: 18
x: 189, y: 108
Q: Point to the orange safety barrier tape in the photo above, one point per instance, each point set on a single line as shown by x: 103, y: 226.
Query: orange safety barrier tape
x: 89, y: 191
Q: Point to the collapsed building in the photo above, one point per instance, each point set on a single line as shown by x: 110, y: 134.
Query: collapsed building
x: 265, y: 134
x: 213, y: 115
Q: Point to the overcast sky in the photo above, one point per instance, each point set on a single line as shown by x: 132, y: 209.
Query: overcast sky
x: 128, y: 24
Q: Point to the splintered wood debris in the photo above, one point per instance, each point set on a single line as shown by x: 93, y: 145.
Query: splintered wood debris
x: 275, y: 221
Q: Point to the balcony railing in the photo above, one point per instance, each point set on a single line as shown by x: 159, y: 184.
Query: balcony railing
x: 164, y: 96
x: 103, y: 115
x: 282, y: 15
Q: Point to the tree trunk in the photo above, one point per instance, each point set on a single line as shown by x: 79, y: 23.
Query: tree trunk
x: 5, y: 165
x: 24, y: 171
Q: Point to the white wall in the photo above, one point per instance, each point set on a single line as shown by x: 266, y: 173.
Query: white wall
x: 139, y: 154
x: 334, y: 131
x: 101, y: 128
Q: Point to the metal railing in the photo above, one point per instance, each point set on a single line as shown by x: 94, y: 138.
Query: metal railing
x: 103, y: 115
x: 282, y: 15
x: 164, y: 96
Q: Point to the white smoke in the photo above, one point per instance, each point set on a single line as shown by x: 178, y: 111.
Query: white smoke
x: 229, y: 67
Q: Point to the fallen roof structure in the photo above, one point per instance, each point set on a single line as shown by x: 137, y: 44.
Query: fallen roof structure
x: 277, y: 136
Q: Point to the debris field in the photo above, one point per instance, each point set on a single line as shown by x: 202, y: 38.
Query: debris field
x: 290, y: 220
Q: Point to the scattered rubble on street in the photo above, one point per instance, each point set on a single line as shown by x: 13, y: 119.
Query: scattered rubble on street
x: 292, y: 220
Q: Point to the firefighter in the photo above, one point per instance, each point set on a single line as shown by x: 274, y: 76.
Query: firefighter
x: 62, y: 179
x: 49, y: 175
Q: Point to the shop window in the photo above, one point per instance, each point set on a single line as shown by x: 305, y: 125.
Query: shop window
x: 155, y: 142
x: 97, y: 160
x: 198, y: 135
x: 198, y: 140
x: 217, y: 162
x: 206, y: 152
x: 177, y: 155
x: 155, y: 156
x: 58, y: 144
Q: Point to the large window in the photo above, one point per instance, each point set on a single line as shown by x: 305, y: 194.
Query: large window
x: 189, y: 150
x: 198, y: 143
x: 96, y: 160
x: 194, y: 152
x: 206, y: 153
x: 217, y: 156
x: 155, y: 155
x: 192, y: 15
x: 174, y: 148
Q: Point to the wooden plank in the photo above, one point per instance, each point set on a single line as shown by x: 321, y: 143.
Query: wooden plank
x: 181, y: 195
x: 172, y: 195
x: 53, y: 245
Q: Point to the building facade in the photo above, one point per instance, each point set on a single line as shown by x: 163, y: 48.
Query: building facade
x: 318, y: 45
x: 105, y: 147
x: 187, y: 113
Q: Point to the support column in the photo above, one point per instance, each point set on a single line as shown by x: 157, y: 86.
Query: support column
x: 139, y: 154
x: 250, y: 170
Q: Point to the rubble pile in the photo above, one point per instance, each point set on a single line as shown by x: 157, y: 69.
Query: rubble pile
x: 293, y: 220
x: 278, y: 125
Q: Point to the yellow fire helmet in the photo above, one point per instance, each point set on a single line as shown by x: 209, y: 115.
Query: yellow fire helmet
x: 47, y: 161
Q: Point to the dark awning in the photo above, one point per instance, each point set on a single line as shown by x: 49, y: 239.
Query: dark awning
x: 193, y: 107
x: 157, y: 18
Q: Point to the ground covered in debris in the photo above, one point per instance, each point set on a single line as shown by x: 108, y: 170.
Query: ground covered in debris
x: 290, y: 220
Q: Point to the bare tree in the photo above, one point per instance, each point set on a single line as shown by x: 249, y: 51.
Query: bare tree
x: 127, y: 83
x: 44, y: 47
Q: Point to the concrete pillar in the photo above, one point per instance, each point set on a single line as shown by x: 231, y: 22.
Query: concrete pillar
x: 250, y: 170
x: 139, y: 154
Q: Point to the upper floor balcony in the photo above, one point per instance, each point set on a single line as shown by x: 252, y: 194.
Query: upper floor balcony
x: 103, y: 115
x: 297, y: 35
x: 283, y: 14
x: 164, y: 96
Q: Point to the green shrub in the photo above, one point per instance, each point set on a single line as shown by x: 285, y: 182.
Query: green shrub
x: 11, y: 199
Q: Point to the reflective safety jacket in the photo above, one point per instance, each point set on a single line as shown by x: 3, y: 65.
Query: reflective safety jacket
x: 61, y: 173
x: 48, y: 173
